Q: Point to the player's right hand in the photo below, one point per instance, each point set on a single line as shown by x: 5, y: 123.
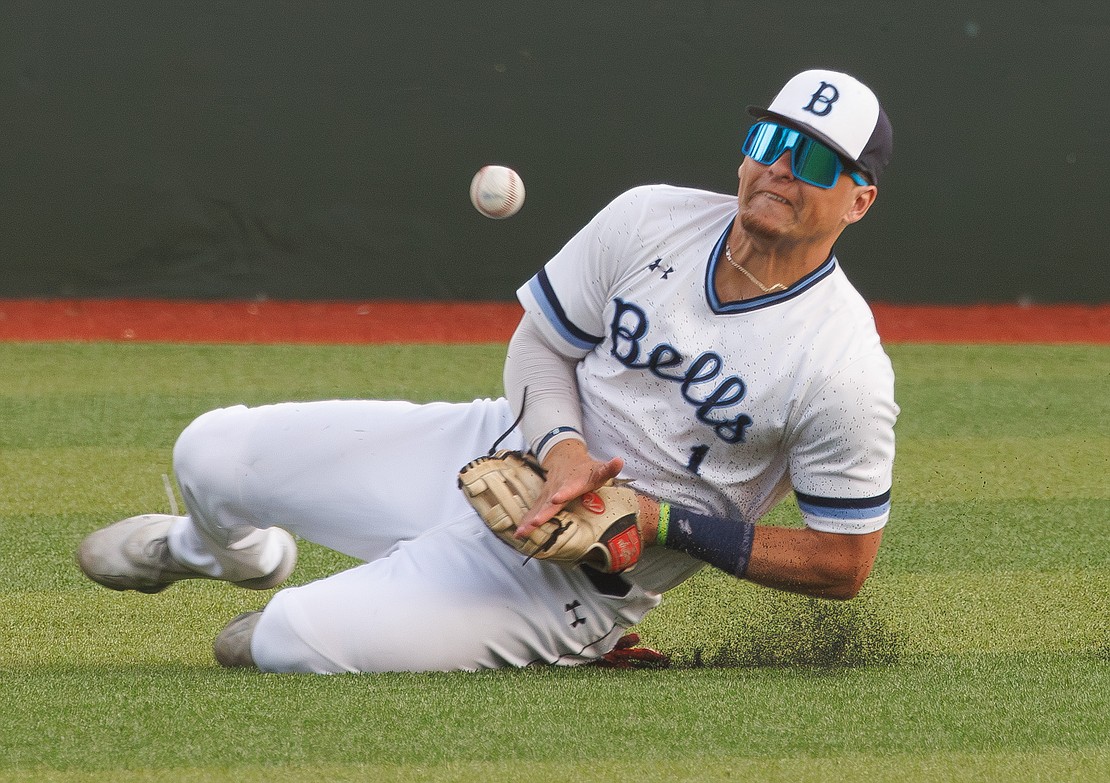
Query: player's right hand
x: 571, y: 473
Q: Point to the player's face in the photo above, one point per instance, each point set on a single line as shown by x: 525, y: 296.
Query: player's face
x: 776, y: 206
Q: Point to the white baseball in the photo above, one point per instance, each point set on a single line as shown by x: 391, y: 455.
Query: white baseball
x: 497, y: 192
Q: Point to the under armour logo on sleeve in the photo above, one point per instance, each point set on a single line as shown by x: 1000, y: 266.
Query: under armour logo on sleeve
x: 657, y: 264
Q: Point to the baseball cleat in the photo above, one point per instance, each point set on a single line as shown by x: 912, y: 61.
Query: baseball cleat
x: 134, y: 554
x: 232, y: 647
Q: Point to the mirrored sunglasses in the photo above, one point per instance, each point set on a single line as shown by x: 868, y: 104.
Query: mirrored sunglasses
x: 810, y: 160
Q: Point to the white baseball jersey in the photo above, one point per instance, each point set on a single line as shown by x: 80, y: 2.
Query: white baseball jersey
x: 723, y: 407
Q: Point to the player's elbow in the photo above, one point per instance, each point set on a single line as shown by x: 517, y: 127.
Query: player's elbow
x: 844, y: 590
x: 844, y: 564
x: 843, y: 581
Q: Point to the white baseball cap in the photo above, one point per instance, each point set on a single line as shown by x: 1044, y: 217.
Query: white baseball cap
x: 840, y: 111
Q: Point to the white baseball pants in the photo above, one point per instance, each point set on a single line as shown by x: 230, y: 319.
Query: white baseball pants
x: 376, y: 480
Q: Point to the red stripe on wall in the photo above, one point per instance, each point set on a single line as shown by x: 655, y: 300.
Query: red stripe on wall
x: 471, y: 322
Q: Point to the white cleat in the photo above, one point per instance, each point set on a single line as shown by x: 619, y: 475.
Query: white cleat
x: 134, y: 555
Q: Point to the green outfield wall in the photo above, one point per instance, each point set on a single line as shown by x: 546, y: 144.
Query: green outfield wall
x: 325, y: 149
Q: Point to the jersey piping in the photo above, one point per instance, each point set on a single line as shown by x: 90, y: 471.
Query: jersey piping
x: 548, y: 301
x: 848, y: 509
x: 765, y: 300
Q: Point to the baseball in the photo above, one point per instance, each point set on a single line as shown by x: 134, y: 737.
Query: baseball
x: 497, y: 192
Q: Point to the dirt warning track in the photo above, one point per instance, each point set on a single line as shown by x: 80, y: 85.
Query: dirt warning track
x: 471, y: 322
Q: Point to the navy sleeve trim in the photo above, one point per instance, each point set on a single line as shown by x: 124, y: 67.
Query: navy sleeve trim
x: 556, y: 310
x: 816, y: 500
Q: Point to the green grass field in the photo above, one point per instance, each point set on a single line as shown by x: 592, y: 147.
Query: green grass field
x: 979, y: 650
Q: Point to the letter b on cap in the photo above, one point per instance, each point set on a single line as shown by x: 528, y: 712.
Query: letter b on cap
x: 820, y: 103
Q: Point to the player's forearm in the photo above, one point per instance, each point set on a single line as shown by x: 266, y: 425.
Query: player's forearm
x: 542, y: 388
x: 800, y: 560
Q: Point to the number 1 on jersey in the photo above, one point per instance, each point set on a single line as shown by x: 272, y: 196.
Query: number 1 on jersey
x: 697, y: 454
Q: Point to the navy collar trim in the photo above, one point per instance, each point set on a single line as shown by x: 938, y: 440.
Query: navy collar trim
x: 765, y: 300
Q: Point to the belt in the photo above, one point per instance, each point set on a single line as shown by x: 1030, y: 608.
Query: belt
x: 612, y: 585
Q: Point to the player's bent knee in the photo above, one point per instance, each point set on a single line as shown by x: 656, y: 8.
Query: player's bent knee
x: 202, y: 447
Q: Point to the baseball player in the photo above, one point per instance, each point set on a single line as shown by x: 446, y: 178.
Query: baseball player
x: 704, y: 351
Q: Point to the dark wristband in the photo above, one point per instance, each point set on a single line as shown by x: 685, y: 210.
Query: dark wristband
x: 723, y: 543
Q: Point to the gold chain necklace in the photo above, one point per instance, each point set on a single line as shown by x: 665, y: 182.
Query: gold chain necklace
x: 750, y: 276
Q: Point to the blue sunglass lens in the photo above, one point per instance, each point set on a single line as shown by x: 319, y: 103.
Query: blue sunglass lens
x: 767, y: 141
x: 810, y: 160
